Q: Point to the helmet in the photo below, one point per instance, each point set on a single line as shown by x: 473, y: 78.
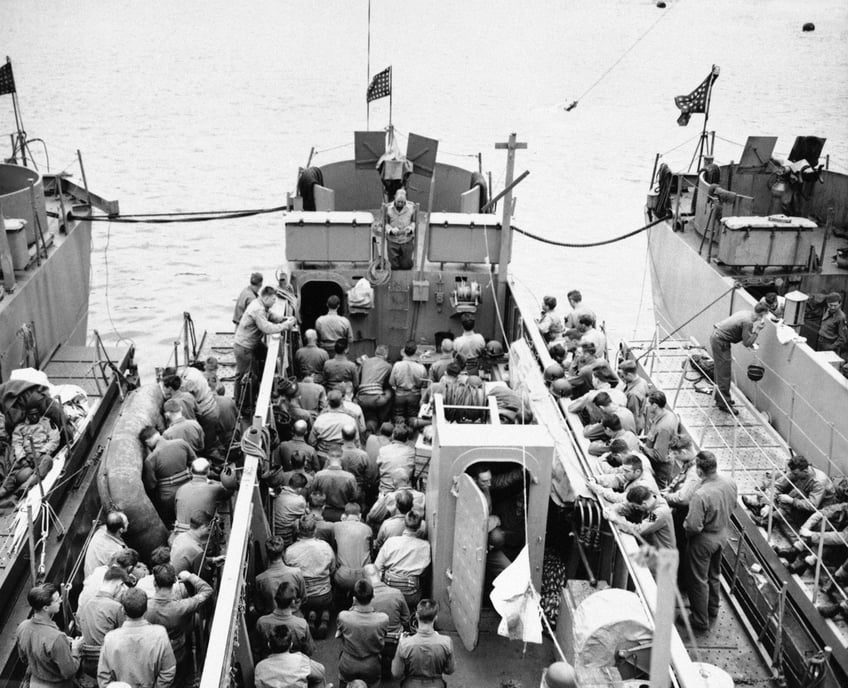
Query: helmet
x: 755, y: 372
x: 560, y: 675
x: 494, y: 348
x: 561, y: 388
x: 229, y: 477
x: 554, y: 372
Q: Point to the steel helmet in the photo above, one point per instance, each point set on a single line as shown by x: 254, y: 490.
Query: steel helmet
x: 494, y: 348
x: 229, y: 477
x: 560, y: 675
x: 561, y: 388
x: 554, y: 372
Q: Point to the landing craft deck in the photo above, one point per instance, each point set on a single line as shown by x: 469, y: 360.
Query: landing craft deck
x: 747, y: 448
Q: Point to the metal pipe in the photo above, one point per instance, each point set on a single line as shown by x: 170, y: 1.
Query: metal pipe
x: 654, y: 171
x: 771, y: 507
x: 506, y: 190
x: 818, y: 561
x: 736, y: 563
x: 666, y: 577
x: 84, y: 178
x: 593, y: 581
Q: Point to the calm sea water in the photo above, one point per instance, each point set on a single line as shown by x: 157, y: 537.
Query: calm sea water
x: 213, y: 105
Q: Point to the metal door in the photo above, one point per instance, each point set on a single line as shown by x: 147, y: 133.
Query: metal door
x: 470, y: 537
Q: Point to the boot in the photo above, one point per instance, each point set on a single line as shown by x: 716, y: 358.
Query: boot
x: 798, y: 566
x: 828, y: 610
x: 787, y: 552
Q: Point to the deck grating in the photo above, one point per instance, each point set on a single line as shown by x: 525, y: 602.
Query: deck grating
x: 758, y: 448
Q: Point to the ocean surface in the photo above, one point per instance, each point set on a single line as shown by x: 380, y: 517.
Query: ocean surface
x: 203, y: 106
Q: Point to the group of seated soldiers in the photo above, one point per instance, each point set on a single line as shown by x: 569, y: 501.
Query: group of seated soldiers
x: 648, y: 463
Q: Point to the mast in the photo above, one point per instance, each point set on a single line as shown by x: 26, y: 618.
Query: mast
x: 506, y: 223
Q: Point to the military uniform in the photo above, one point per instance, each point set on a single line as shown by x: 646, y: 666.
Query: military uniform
x: 706, y: 525
x: 188, y: 430
x: 45, y: 440
x: 164, y: 470
x: 363, y: 633
x: 47, y: 651
x: 198, y: 494
x: 422, y: 659
x: 138, y: 653
x: 269, y: 581
x: 177, y: 616
x: 301, y: 636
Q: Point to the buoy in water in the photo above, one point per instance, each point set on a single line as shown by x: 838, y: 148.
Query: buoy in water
x: 661, y: 4
x: 809, y: 26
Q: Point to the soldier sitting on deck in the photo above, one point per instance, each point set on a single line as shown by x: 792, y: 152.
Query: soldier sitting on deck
x: 832, y: 534
x: 33, y: 444
x: 797, y: 494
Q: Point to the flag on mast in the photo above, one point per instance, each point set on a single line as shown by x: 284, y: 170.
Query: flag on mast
x: 7, y: 79
x: 381, y: 85
x: 698, y: 100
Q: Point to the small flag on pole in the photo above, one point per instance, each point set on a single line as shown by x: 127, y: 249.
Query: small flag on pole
x: 696, y: 101
x: 381, y: 85
x: 7, y: 80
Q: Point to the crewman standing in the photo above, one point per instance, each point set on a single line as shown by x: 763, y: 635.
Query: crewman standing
x: 248, y: 294
x: 400, y: 232
x: 833, y: 331
x: 309, y: 359
x: 255, y: 323
x: 182, y: 428
x: 198, y: 494
x: 424, y: 658
x: 164, y: 470
x: 662, y: 427
x: 744, y: 327
x: 53, y: 658
x: 363, y: 633
x: 706, y: 526
x: 138, y: 653
x: 106, y: 541
x: 331, y: 327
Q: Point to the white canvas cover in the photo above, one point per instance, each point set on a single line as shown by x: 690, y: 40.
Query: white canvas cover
x: 606, y: 622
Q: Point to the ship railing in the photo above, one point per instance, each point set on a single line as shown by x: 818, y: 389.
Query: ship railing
x: 767, y: 491
x: 625, y: 571
x: 684, y: 672
x: 833, y: 469
x: 228, y: 650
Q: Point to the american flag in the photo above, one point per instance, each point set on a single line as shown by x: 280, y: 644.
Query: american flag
x: 697, y: 100
x: 381, y: 85
x: 7, y: 81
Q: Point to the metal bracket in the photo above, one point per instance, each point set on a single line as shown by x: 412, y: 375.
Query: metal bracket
x: 638, y: 657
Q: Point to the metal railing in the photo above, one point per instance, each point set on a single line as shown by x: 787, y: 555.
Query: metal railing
x: 767, y: 491
x: 228, y: 638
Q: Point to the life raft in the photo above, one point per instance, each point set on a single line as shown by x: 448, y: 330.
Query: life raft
x: 119, y: 477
